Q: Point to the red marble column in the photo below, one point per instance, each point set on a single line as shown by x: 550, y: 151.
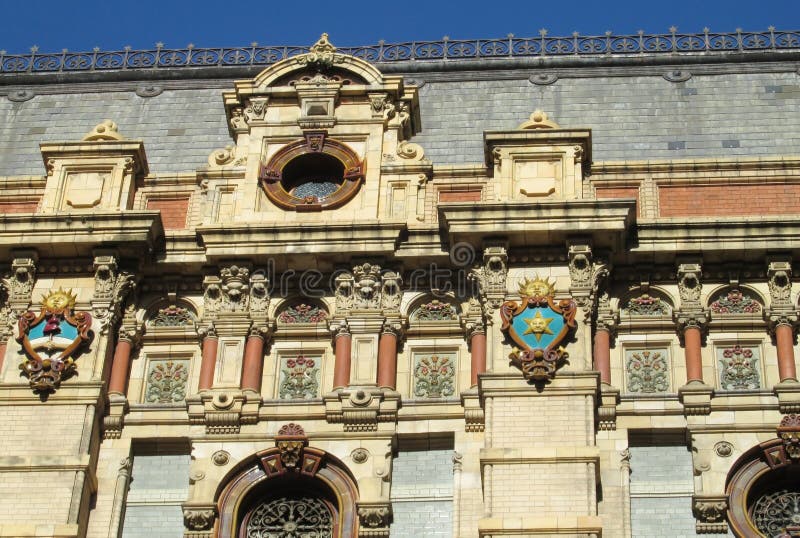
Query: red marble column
x: 253, y: 364
x: 602, y: 354
x: 2, y: 353
x: 784, y: 341
x: 477, y: 346
x: 341, y: 368
x: 120, y: 366
x: 387, y: 360
x: 209, y: 362
x: 692, y: 344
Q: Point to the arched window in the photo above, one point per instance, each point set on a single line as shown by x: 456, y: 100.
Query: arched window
x: 763, y: 486
x: 289, y: 491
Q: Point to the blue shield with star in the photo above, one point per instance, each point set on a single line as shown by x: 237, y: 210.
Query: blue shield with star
x: 538, y: 327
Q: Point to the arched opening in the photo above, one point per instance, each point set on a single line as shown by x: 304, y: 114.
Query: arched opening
x: 763, y: 486
x: 290, y: 506
x: 288, y: 491
x: 318, y: 175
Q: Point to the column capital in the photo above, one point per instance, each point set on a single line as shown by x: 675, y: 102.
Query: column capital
x: 777, y: 318
x: 339, y: 327
x: 691, y: 319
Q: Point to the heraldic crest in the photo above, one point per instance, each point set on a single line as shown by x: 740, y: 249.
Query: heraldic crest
x: 538, y: 325
x: 52, y: 339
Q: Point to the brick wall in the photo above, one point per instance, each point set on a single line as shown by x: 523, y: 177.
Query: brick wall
x: 619, y: 192
x: 21, y: 424
x: 422, y: 492
x: 35, y: 498
x: 173, y: 211
x: 537, y: 430
x: 728, y: 200
x: 18, y: 207
x: 473, y: 195
x: 567, y: 486
x: 160, y: 483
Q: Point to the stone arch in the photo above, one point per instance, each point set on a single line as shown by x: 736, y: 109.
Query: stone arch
x: 761, y: 475
x: 734, y: 299
x: 322, y: 53
x: 427, y: 307
x: 163, y: 313
x: 650, y: 302
x: 300, y: 309
x: 290, y: 466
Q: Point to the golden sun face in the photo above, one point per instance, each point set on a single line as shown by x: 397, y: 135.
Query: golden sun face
x: 536, y: 288
x: 538, y: 325
x: 59, y: 300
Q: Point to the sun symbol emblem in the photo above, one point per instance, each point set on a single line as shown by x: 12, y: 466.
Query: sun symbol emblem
x: 59, y: 300
x: 538, y: 325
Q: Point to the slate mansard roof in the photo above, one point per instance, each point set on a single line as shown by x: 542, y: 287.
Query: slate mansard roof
x: 659, y: 105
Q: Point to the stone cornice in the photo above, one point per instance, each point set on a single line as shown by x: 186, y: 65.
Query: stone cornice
x: 756, y: 236
x: 310, y: 239
x: 538, y: 137
x: 68, y: 234
x: 694, y: 166
x: 607, y: 222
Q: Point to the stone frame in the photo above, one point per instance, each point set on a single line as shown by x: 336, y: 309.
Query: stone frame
x: 283, y: 354
x: 718, y: 345
x: 428, y: 350
x: 633, y: 346
x: 271, y: 174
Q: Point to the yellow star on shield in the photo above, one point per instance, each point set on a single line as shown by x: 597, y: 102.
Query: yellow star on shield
x: 538, y: 325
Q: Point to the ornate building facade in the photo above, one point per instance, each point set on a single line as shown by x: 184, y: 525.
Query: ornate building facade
x: 504, y: 288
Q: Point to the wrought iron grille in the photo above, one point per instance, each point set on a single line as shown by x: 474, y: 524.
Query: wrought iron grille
x: 291, y: 518
x: 445, y: 49
x: 774, y: 512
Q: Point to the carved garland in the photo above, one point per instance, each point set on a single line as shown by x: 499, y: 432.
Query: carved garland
x: 271, y: 174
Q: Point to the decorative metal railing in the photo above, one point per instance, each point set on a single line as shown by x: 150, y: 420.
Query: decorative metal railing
x: 446, y: 49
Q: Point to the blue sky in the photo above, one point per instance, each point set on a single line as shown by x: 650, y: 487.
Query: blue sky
x: 80, y: 25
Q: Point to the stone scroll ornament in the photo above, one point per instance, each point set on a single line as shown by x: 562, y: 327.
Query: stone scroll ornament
x: 538, y: 325
x: 52, y: 339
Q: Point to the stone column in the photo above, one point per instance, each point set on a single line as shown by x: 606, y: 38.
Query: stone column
x: 387, y: 356
x: 209, y: 360
x: 692, y: 338
x: 784, y: 342
x: 253, y: 364
x: 477, y: 346
x: 342, y: 343
x: 602, y: 353
x: 121, y: 364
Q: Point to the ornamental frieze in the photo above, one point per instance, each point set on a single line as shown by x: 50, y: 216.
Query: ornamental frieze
x: 538, y: 325
x: 52, y: 339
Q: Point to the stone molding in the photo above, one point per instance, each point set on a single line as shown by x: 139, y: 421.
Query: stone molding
x: 361, y: 409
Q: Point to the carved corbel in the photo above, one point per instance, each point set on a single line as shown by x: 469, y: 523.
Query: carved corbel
x: 492, y: 274
x: 580, y: 271
x: 710, y: 511
x: 367, y: 287
x: 256, y: 109
x: 112, y: 288
x: 391, y: 292
x: 19, y: 282
x: 199, y: 519
x: 374, y: 519
x: 691, y: 313
x: 344, y: 293
x: 779, y: 280
x: 360, y: 409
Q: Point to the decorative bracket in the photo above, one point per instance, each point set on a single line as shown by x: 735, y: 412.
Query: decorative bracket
x: 710, y: 511
x: 360, y: 409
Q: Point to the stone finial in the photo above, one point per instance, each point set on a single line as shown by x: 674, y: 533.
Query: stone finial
x: 105, y: 130
x: 323, y: 45
x: 538, y: 120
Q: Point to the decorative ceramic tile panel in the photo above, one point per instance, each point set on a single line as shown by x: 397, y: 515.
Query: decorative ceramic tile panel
x: 647, y: 370
x: 646, y: 305
x: 172, y: 316
x: 299, y: 377
x: 435, y: 311
x: 302, y: 313
x: 739, y: 367
x: 434, y: 375
x: 735, y: 302
x: 166, y: 381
